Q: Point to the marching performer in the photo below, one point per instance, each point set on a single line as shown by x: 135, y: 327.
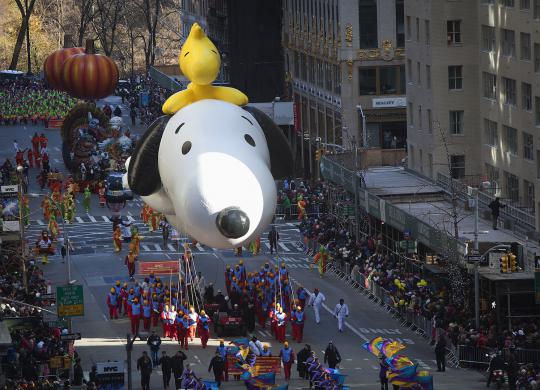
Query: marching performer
x: 204, y: 328
x: 101, y: 194
x: 340, y: 312
x: 44, y: 247
x: 297, y: 321
x: 316, y: 300
x: 130, y: 262
x: 135, y: 316
x: 301, y: 204
x: 117, y: 239
x: 112, y: 303
x: 147, y: 315
x: 53, y: 228
x: 86, y: 199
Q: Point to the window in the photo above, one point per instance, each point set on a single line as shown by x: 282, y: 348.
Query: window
x: 456, y: 122
x: 528, y: 146
x: 507, y: 3
x: 337, y: 79
x: 525, y: 46
x: 400, y: 28
x: 537, y: 110
x: 421, y: 158
x: 536, y: 9
x: 508, y: 42
x: 411, y: 114
x: 528, y: 190
x: 538, y: 164
x: 510, y: 140
x: 453, y: 31
x: 419, y: 117
x: 427, y: 33
x: 457, y: 166
x: 512, y: 187
x: 491, y: 134
x: 303, y: 67
x: 409, y: 71
x: 408, y: 27
x: 492, y: 174
x: 489, y: 82
x: 430, y: 165
x: 526, y: 96
x: 418, y: 75
x: 455, y: 79
x: 488, y: 38
x: 428, y: 76
x: 488, y: 1
x: 429, y: 122
x: 417, y: 30
x: 525, y: 4
x: 411, y: 154
x: 382, y: 80
x: 311, y: 69
x: 537, y: 57
x: 509, y: 91
x: 368, y: 24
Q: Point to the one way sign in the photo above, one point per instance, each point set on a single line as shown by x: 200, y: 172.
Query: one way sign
x: 70, y: 336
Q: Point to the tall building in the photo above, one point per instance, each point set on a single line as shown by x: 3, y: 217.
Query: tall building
x: 345, y: 63
x: 247, y: 33
x: 473, y: 93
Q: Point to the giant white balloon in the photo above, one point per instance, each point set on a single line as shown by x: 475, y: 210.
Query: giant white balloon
x: 210, y: 168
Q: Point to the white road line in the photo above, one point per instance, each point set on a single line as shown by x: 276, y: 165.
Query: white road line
x: 92, y: 218
x: 145, y: 247
x: 79, y: 219
x: 284, y: 247
x: 199, y: 247
x: 158, y: 248
x: 40, y: 222
x: 130, y: 218
x: 56, y: 161
x: 105, y: 317
x: 171, y: 247
x: 105, y: 218
x: 267, y: 245
x: 57, y: 148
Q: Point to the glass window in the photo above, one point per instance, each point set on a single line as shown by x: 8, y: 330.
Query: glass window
x: 411, y: 114
x: 526, y: 96
x: 510, y: 140
x: 489, y: 82
x: 430, y: 121
x: 427, y: 32
x: 536, y: 9
x: 417, y: 29
x: 509, y: 91
x: 528, y: 146
x: 320, y: 73
x: 525, y: 4
x: 389, y: 80
x: 409, y: 27
x: 400, y: 28
x: 507, y: 3
x: 525, y: 46
x: 492, y: 174
x: 296, y: 64
x: 488, y: 38
x: 537, y: 57
x: 419, y: 117
x: 528, y: 189
x: 491, y: 133
x: 368, y: 24
x: 457, y: 166
x: 453, y: 30
x: 428, y: 76
x: 311, y: 69
x: 456, y: 122
x: 455, y: 79
x: 512, y: 187
x: 303, y: 67
x: 329, y: 126
x: 508, y: 38
x: 409, y: 71
x: 402, y: 81
x: 418, y: 74
x: 337, y: 79
x: 537, y: 110
x: 368, y: 81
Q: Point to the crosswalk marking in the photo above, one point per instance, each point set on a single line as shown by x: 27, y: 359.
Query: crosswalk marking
x: 92, y: 218
x: 130, y: 218
x: 79, y: 219
x: 267, y: 245
x: 171, y: 247
x: 146, y: 248
x: 40, y: 222
x: 282, y: 245
x: 199, y: 247
x: 105, y: 218
x: 158, y: 248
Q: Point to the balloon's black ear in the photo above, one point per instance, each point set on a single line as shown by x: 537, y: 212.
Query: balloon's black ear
x: 143, y: 172
x: 281, y: 157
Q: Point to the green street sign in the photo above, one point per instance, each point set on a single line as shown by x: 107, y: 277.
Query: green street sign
x: 70, y: 301
x: 408, y: 246
x: 537, y: 285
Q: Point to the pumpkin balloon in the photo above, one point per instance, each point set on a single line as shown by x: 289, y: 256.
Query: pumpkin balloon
x: 52, y: 68
x: 89, y: 75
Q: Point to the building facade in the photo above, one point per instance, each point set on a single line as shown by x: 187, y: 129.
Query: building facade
x: 473, y: 93
x: 345, y: 62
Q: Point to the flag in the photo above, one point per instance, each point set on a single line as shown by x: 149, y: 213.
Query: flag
x: 374, y: 346
x: 389, y: 348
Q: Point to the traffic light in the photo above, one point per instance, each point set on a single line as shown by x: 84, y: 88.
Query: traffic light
x: 513, y: 262
x: 318, y: 154
x: 504, y: 264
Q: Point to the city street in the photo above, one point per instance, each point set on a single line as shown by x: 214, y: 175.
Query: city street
x: 96, y: 267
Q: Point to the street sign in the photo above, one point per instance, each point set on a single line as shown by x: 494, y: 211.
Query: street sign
x: 47, y: 296
x: 70, y: 336
x: 110, y: 375
x: 70, y: 301
x: 537, y: 285
x: 473, y: 258
x: 406, y: 234
x: 408, y: 246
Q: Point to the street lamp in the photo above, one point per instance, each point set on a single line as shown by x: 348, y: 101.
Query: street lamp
x: 20, y: 170
x: 364, y: 130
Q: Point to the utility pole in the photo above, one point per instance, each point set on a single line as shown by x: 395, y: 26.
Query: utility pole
x: 129, y: 349
x: 355, y: 183
x: 476, y: 266
x: 21, y: 227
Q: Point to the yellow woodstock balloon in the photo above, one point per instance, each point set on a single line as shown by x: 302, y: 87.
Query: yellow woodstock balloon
x: 200, y: 63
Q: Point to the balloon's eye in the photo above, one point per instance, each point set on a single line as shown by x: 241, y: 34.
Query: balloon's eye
x: 186, y: 147
x: 249, y: 139
x: 179, y: 127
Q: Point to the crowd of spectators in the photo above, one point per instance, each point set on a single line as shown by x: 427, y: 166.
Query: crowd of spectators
x: 29, y: 101
x: 410, y: 290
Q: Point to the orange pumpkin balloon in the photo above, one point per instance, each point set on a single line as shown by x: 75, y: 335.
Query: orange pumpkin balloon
x: 52, y: 68
x: 89, y: 75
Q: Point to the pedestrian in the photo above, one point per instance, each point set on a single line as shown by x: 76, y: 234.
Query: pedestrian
x: 78, y: 374
x: 217, y: 364
x: 63, y: 252
x: 177, y: 366
x: 495, y: 206
x: 133, y: 115
x: 440, y: 353
x: 154, y: 341
x: 316, y: 300
x: 165, y: 228
x: 331, y: 355
x: 165, y: 363
x: 273, y: 237
x: 301, y: 359
x: 340, y: 312
x: 287, y: 358
x: 144, y: 365
x: 93, y: 376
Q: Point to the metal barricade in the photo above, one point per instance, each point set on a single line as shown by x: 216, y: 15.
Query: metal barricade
x: 474, y: 355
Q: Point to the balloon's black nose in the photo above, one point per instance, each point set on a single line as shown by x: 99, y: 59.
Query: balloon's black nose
x: 232, y: 222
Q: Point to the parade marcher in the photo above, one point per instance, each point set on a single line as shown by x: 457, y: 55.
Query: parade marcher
x: 340, y: 312
x: 135, y: 316
x: 255, y: 346
x: 204, y: 328
x: 316, y: 300
x: 217, y: 365
x: 86, y: 199
x: 440, y: 353
x: 287, y: 358
x: 177, y: 365
x: 273, y: 238
x: 154, y: 342
x: 165, y: 363
x: 44, y: 247
x: 298, y: 319
x: 147, y: 317
x: 129, y: 261
x: 301, y: 295
x: 331, y: 355
x: 117, y: 239
x: 281, y: 324
x: 112, y: 303
x: 301, y: 359
x: 101, y: 194
x: 193, y: 321
x: 182, y: 329
x: 144, y: 365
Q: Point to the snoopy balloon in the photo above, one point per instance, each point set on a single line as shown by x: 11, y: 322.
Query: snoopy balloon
x: 210, y: 169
